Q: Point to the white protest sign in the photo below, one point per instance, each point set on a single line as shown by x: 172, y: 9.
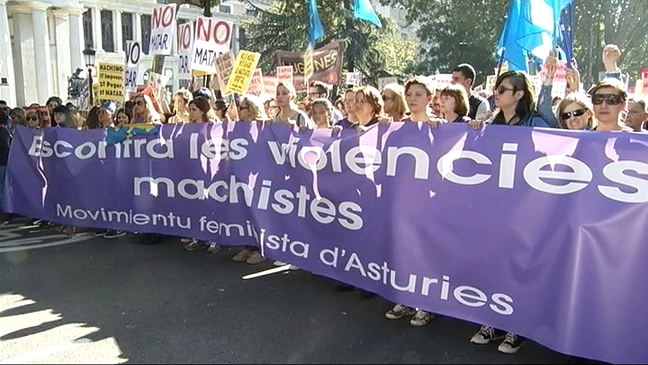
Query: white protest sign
x: 185, y: 43
x: 270, y: 85
x: 384, y: 81
x: 213, y: 38
x: 256, y: 84
x: 163, y: 27
x: 224, y: 67
x: 285, y: 74
x: 131, y: 65
x: 559, y: 87
x: 353, y: 78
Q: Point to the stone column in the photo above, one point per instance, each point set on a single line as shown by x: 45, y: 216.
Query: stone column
x: 117, y: 31
x: 77, y: 39
x: 7, y: 93
x: 137, y: 27
x: 63, y: 54
x: 41, y: 51
x: 23, y: 51
x: 96, y: 29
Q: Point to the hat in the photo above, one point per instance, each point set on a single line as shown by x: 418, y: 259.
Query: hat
x: 204, y: 92
x: 611, y: 83
x: 109, y: 106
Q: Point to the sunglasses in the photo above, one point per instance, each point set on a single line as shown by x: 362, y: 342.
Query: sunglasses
x: 575, y: 113
x: 34, y: 118
x: 502, y: 89
x: 387, y: 98
x: 610, y: 99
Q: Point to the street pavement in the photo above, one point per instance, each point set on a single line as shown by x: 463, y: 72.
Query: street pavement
x: 94, y: 300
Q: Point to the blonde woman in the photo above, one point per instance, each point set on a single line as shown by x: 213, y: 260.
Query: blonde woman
x: 181, y: 101
x: 575, y: 112
x: 33, y: 118
x: 251, y: 108
x: 144, y: 111
x: 289, y: 113
x: 393, y: 96
x: 17, y: 116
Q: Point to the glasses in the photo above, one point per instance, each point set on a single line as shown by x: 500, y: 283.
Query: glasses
x: 139, y: 102
x: 387, y: 98
x: 31, y: 118
x: 575, y: 113
x: 609, y: 99
x: 502, y: 89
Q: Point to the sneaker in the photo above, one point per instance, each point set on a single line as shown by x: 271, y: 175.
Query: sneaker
x: 399, y: 311
x: 485, y: 335
x: 279, y: 263
x: 242, y: 256
x: 255, y: 258
x: 101, y: 232
x: 196, y: 245
x: 421, y: 318
x: 114, y: 234
x: 185, y: 240
x: 213, y: 247
x: 511, y: 343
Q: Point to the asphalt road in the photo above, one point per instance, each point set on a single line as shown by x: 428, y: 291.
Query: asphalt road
x: 94, y: 300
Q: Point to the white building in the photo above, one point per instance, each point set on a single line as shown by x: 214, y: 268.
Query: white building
x: 399, y: 15
x: 41, y: 42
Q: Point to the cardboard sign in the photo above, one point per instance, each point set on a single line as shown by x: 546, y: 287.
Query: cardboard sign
x: 244, y: 67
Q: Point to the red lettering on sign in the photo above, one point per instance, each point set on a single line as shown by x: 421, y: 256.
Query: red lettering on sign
x: 163, y: 17
x: 184, y: 36
x: 209, y: 30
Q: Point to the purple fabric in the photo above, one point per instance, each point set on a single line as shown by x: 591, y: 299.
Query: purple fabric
x: 559, y: 257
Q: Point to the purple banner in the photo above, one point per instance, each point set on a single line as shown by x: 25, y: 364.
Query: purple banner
x: 535, y: 231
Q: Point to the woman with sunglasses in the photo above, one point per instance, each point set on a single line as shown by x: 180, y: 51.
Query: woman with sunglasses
x: 516, y: 106
x: 610, y: 101
x: 575, y: 112
x: 393, y: 96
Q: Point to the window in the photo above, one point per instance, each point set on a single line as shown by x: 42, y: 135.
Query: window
x: 127, y: 28
x: 224, y: 9
x: 146, y: 33
x: 87, y: 28
x: 107, y: 33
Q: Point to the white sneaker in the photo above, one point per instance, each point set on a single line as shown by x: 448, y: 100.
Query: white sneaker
x: 279, y: 263
x: 421, y: 318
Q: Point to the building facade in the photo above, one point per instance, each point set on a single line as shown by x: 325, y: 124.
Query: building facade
x: 42, y: 42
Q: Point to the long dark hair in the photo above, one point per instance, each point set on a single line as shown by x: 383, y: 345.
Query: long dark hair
x: 526, y: 107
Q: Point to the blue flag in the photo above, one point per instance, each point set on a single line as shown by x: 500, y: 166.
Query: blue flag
x: 363, y: 10
x: 532, y: 27
x: 316, y: 29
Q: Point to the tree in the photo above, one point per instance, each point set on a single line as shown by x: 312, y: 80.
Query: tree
x: 371, y: 50
x: 206, y: 5
x: 601, y: 22
x: 454, y: 32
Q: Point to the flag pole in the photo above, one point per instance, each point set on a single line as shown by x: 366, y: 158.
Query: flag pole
x: 504, y: 38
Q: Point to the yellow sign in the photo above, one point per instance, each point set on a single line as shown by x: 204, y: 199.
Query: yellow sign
x: 308, y: 63
x: 244, y: 67
x: 111, y: 82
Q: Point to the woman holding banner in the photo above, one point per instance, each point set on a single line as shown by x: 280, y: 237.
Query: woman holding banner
x: 289, y: 113
x: 516, y: 106
x: 181, y: 100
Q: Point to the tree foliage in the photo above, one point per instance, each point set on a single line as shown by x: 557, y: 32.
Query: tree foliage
x: 373, y: 51
x: 455, y: 31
